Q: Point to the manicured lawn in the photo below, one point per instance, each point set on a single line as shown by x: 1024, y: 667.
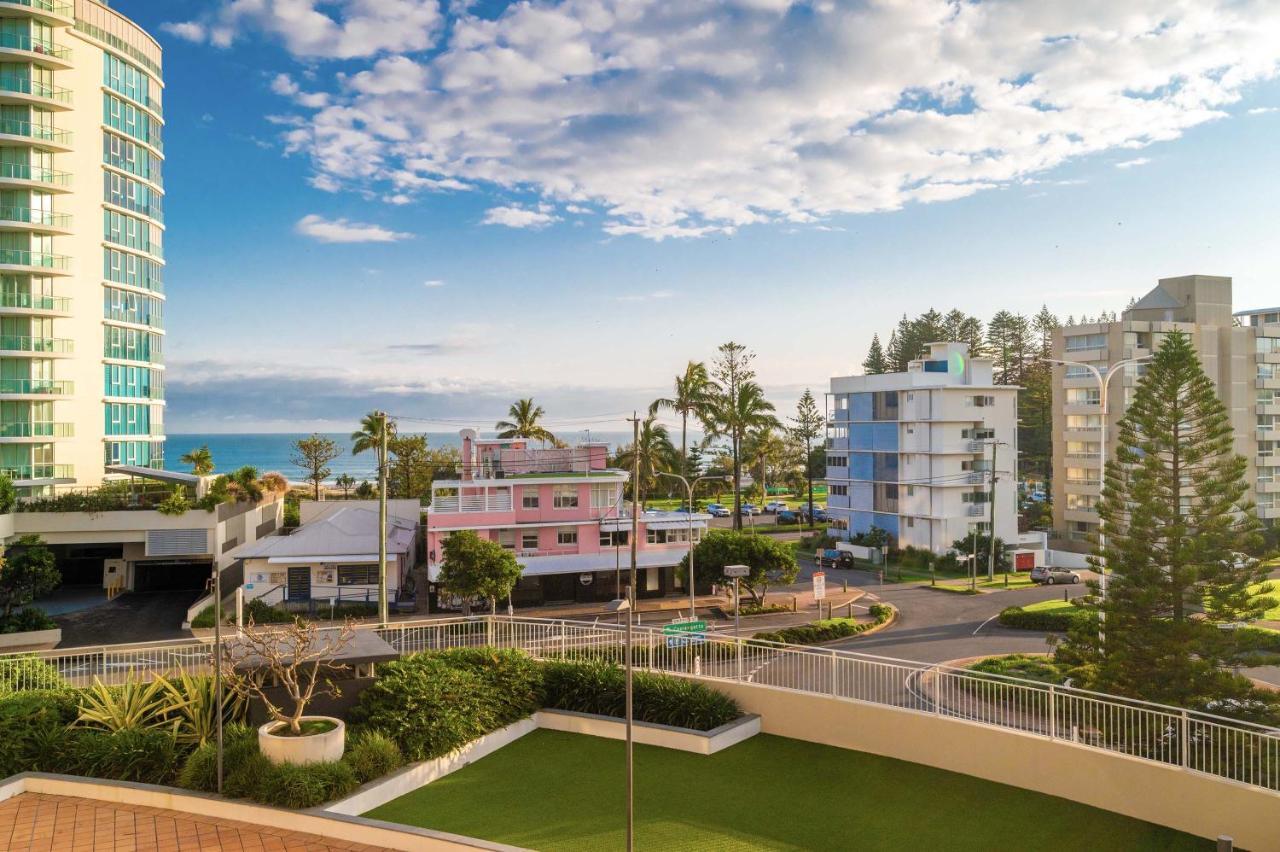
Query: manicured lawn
x: 1272, y: 614
x: 1054, y: 605
x: 557, y: 791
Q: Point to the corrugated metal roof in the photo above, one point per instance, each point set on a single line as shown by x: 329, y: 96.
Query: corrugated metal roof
x: 347, y: 532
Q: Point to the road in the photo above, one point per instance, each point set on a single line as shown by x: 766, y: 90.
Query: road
x: 133, y: 617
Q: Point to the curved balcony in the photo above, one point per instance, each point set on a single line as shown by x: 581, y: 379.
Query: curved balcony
x: 50, y: 11
x: 25, y: 472
x: 35, y: 388
x: 24, y: 90
x: 36, y: 177
x: 36, y: 50
x: 39, y: 135
x: 28, y: 219
x: 43, y: 346
x: 38, y: 262
x: 35, y: 431
x: 29, y: 303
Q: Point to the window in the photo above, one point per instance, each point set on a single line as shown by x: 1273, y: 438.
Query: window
x: 507, y: 539
x: 982, y: 401
x: 911, y: 523
x: 529, y: 498
x: 357, y: 575
x: 617, y: 538
x: 603, y: 497
x: 1083, y: 396
x: 837, y: 461
x: 567, y: 536
x: 839, y: 490
x: 911, y: 491
x: 529, y: 541
x: 1076, y: 342
x: 977, y: 434
x: 565, y: 497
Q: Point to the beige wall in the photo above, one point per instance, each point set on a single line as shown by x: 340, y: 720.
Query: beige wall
x: 1187, y: 801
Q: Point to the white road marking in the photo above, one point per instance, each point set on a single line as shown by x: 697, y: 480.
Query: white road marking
x: 985, y: 623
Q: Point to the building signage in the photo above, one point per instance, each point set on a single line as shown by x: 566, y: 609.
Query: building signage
x: 819, y: 585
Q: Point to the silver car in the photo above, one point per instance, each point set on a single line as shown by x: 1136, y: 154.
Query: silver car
x: 1052, y: 576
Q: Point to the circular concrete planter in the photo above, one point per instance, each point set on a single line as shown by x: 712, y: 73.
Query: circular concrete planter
x: 313, y: 748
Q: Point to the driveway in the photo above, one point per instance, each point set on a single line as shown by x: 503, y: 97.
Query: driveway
x: 133, y: 617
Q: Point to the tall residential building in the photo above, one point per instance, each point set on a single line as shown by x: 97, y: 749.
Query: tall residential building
x: 561, y: 512
x: 1240, y: 353
x: 910, y: 452
x: 81, y: 235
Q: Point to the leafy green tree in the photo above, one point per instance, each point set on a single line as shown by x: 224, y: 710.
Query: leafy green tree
x: 477, y: 567
x: 8, y: 494
x: 412, y: 466
x: 656, y: 454
x: 346, y: 482
x: 366, y: 490
x: 771, y: 561
x: 959, y: 326
x: 965, y: 547
x: 875, y: 363
x: 691, y: 400
x: 30, y: 571
x: 1009, y: 343
x: 200, y: 459
x: 525, y: 422
x: 176, y: 503
x: 1177, y: 526
x: 808, y: 424
x: 313, y: 456
x: 240, y: 486
x: 737, y: 407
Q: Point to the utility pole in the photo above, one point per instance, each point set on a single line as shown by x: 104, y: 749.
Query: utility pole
x: 217, y: 661
x: 991, y: 502
x: 382, y: 518
x: 631, y: 614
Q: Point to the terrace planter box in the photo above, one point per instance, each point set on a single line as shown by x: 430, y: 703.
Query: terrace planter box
x: 647, y: 733
x: 31, y: 640
x: 313, y: 748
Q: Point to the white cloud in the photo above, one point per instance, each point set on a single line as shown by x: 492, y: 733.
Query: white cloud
x: 344, y: 231
x: 1134, y: 163
x: 356, y: 28
x: 283, y: 84
x: 433, y: 282
x: 1263, y: 110
x: 514, y: 216
x: 680, y: 120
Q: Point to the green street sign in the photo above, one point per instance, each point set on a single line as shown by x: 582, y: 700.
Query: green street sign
x: 677, y: 627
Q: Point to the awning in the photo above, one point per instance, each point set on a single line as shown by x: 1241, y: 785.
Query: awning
x: 174, y: 476
x: 308, y: 560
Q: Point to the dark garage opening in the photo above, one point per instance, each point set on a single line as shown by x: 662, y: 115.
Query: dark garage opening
x: 81, y: 564
x: 170, y: 576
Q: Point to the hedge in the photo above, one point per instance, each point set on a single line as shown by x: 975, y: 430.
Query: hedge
x: 600, y: 687
x: 1059, y: 620
x: 259, y: 611
x: 826, y: 630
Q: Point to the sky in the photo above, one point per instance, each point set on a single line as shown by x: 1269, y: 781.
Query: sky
x: 438, y: 207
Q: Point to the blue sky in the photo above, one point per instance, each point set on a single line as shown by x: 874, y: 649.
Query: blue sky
x: 565, y: 201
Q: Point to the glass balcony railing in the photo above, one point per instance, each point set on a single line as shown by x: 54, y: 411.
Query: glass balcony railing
x: 39, y: 471
x: 51, y: 6
x: 39, y: 132
x: 34, y: 387
x: 44, y: 260
x: 22, y: 41
x: 22, y: 171
x: 43, y: 218
x: 27, y: 86
x: 16, y: 343
x: 35, y: 302
x: 21, y: 429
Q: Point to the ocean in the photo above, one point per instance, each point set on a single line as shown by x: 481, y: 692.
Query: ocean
x: 270, y: 451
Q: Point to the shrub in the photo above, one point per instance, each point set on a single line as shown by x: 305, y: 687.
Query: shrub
x: 129, y: 707
x: 757, y: 609
x: 200, y: 771
x: 600, y: 688
x: 1061, y: 620
x: 1025, y: 666
x: 827, y: 630
x: 293, y: 786
x: 25, y: 619
x: 23, y: 673
x: 434, y: 702
x: 258, y: 610
x: 128, y: 754
x: 248, y: 776
x: 33, y: 731
x: 373, y: 754
x: 190, y: 705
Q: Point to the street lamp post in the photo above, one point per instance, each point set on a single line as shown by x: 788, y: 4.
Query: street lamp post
x: 620, y: 606
x: 689, y: 486
x: 1104, y: 382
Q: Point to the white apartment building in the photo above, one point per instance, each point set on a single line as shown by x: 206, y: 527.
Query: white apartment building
x: 81, y: 235
x: 910, y: 452
x: 1240, y: 353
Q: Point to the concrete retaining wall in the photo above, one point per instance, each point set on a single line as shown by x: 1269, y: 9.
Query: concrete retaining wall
x: 681, y: 739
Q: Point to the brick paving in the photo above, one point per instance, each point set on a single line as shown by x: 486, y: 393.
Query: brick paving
x: 38, y: 822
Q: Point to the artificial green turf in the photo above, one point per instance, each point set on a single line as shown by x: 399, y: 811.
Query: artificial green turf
x: 559, y: 791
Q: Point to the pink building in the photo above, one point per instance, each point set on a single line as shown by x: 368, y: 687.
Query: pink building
x: 561, y: 511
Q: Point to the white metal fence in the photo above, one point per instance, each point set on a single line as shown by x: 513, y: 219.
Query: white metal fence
x: 1198, y: 742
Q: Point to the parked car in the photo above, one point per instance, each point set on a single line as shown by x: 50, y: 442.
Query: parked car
x: 749, y: 509
x: 819, y: 513
x: 1052, y: 576
x: 775, y: 506
x: 786, y: 516
x: 715, y: 510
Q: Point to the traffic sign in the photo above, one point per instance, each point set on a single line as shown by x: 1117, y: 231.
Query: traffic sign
x: 819, y: 585
x: 677, y: 627
x: 737, y: 571
x: 685, y: 632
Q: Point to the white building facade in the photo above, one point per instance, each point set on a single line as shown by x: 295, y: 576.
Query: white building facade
x: 910, y: 453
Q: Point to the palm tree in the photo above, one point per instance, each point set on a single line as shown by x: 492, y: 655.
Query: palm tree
x: 346, y: 482
x: 244, y: 485
x: 733, y: 415
x: 691, y: 398
x: 524, y: 422
x: 200, y: 459
x: 369, y: 436
x: 763, y: 448
x: 655, y: 453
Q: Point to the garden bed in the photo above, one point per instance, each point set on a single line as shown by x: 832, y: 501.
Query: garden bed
x: 829, y: 629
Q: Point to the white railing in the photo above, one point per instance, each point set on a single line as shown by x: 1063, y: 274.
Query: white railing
x: 1193, y: 741
x: 472, y: 503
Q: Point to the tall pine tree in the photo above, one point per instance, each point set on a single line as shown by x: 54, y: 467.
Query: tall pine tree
x: 1176, y: 521
x: 875, y: 363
